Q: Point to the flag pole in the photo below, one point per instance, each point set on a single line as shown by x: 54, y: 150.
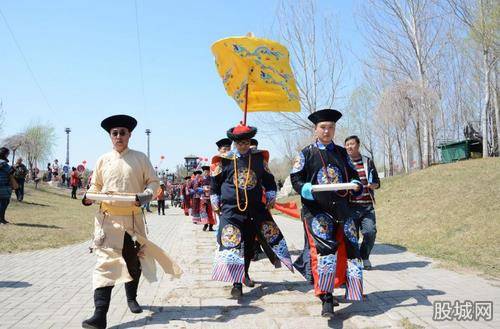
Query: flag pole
x: 246, y: 106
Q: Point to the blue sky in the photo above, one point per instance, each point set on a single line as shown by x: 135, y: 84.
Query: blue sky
x: 84, y: 55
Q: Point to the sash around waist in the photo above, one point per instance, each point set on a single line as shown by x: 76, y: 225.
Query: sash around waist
x: 120, y: 211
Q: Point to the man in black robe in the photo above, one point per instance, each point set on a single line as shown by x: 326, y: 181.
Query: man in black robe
x: 237, y: 181
x: 331, y: 255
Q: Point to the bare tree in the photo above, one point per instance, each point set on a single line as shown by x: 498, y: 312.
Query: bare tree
x: 180, y: 171
x: 316, y: 59
x: 361, y: 117
x: 14, y: 142
x: 405, y: 40
x: 482, y: 19
x: 39, y: 143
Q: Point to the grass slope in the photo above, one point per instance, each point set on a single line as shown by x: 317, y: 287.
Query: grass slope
x: 448, y: 212
x: 47, y: 218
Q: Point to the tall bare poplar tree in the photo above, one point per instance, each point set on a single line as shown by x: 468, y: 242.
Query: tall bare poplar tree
x: 482, y: 19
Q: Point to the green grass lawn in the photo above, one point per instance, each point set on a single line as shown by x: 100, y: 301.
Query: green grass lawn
x: 448, y: 212
x: 47, y: 218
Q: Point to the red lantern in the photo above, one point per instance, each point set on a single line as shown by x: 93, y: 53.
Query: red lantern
x: 162, y: 157
x: 84, y: 162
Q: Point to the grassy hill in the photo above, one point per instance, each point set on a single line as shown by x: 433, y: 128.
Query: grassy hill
x: 449, y: 212
x: 47, y: 218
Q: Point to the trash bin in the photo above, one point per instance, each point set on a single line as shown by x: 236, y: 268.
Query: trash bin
x: 455, y: 151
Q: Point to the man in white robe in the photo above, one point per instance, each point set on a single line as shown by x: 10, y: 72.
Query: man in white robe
x: 120, y: 242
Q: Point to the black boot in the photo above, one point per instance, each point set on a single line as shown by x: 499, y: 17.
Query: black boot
x: 327, y: 305
x: 205, y: 227
x: 102, y: 297
x: 211, y: 228
x: 131, y: 291
x: 249, y: 282
x: 237, y: 290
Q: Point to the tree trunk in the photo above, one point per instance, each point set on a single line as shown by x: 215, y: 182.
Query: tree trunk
x: 484, y: 109
x: 419, y: 144
x: 390, y: 156
x: 497, y: 109
x: 400, y: 149
x: 432, y: 141
x: 407, y: 152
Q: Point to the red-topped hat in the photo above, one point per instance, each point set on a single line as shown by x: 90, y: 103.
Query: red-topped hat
x: 241, y: 132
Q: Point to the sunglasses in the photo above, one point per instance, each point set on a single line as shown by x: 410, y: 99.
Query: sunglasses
x: 243, y: 142
x: 121, y: 132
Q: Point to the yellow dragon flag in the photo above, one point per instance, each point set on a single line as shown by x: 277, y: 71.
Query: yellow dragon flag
x: 263, y: 65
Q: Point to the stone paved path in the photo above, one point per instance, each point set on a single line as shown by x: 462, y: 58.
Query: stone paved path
x: 52, y: 289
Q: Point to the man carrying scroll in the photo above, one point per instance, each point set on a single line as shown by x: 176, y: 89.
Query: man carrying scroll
x: 120, y: 243
x: 331, y: 255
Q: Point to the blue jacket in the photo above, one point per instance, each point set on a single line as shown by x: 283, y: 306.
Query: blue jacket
x: 5, y: 171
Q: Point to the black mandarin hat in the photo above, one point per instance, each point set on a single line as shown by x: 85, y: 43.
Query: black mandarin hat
x: 120, y: 120
x: 223, y: 142
x: 324, y: 115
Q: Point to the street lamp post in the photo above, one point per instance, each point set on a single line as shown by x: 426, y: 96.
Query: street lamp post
x: 148, y: 132
x: 67, y: 130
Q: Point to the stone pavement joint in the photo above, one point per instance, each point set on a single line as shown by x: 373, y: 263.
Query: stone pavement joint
x: 52, y: 289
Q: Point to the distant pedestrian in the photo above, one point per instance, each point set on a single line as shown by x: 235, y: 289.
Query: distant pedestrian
x: 160, y: 197
x: 49, y: 172
x: 63, y: 179
x: 55, y: 170
x: 5, y: 183
x: 74, y: 180
x: 36, y: 176
x: 20, y: 173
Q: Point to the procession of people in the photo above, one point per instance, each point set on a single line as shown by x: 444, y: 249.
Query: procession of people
x: 238, y: 189
x: 233, y: 194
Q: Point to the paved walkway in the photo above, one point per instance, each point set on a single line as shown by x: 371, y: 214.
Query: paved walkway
x: 52, y: 289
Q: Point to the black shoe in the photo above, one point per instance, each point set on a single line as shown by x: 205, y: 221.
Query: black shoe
x: 211, y: 228
x: 95, y: 322
x: 249, y: 282
x: 367, y: 265
x: 205, y: 227
x: 237, y: 290
x: 102, y: 297
x: 134, y: 306
x: 327, y: 305
x: 4, y: 221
